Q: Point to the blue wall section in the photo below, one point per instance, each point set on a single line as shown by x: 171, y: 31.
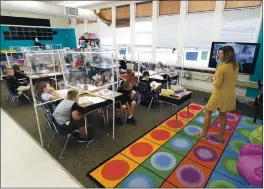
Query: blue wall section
x: 258, y: 74
x: 66, y: 37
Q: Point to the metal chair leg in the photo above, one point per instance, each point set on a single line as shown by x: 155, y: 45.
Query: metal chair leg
x: 28, y: 98
x: 150, y: 103
x: 53, y: 136
x: 65, y: 145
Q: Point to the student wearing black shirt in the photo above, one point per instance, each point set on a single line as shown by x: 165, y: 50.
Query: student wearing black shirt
x: 13, y: 83
x: 123, y: 64
x: 68, y: 112
x: 145, y: 79
x: 127, y: 102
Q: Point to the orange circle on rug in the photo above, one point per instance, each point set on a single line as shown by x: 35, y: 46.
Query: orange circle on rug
x: 160, y: 134
x: 184, y: 114
x: 141, y: 149
x: 175, y: 124
x: 115, y: 169
x: 195, y: 107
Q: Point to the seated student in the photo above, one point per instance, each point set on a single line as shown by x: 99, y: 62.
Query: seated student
x: 127, y: 102
x: 123, y: 65
x: 129, y: 76
x: 151, y: 86
x: 47, y: 93
x: 159, y: 68
x: 14, y: 84
x: 18, y: 73
x: 67, y: 111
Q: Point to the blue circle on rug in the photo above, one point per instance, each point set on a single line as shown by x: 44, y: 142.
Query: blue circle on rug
x: 163, y: 161
x: 192, y: 129
x: 181, y: 143
x: 200, y: 119
x: 139, y: 180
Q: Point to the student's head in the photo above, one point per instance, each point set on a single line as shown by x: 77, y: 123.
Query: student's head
x: 16, y: 68
x: 130, y: 72
x: 159, y: 64
x: 124, y: 58
x: 126, y: 86
x: 44, y: 87
x: 146, y: 75
x: 73, y: 95
x: 9, y: 72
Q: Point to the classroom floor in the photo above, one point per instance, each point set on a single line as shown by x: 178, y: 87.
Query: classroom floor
x: 78, y: 159
x: 171, y: 155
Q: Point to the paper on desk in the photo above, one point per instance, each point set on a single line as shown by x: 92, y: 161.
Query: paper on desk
x: 87, y: 99
x: 156, y: 77
x: 155, y: 84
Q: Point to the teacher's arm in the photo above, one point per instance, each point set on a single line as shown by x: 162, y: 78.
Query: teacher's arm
x: 219, y: 77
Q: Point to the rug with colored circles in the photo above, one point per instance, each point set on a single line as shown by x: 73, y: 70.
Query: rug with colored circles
x: 170, y: 155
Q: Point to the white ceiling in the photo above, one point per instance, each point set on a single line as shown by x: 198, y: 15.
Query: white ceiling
x: 80, y: 4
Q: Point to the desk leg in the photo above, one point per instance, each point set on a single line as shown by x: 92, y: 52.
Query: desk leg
x: 188, y: 111
x: 171, y: 109
x: 176, y: 112
x: 86, y: 131
x: 161, y: 103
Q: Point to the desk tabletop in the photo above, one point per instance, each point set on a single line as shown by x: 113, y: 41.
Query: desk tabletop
x: 37, y: 76
x: 174, y: 100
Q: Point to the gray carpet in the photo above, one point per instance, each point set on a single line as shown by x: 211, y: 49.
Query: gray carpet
x: 78, y: 159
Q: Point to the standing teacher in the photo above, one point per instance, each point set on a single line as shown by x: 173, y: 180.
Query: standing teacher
x: 223, y: 96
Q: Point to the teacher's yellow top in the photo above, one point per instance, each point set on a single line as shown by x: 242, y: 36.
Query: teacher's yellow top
x: 224, y: 91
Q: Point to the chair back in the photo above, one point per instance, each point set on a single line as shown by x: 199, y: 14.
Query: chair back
x: 143, y: 88
x: 12, y: 93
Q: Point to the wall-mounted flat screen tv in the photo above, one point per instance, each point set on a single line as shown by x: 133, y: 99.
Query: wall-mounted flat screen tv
x: 246, y: 55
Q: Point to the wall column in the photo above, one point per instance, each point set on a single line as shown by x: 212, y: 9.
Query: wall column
x: 155, y: 5
x: 113, y: 25
x: 85, y: 24
x: 132, y: 29
x: 218, y: 15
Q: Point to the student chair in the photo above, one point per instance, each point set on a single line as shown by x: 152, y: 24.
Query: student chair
x: 258, y: 104
x: 14, y: 95
x: 145, y: 96
x: 57, y: 130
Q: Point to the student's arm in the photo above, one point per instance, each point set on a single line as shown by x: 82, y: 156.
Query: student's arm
x: 122, y: 76
x: 76, y: 111
x: 219, y: 77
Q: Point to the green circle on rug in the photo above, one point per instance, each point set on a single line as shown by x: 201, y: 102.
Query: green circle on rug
x: 237, y: 144
x: 250, y: 122
x: 221, y: 184
x: 244, y: 132
x: 229, y: 164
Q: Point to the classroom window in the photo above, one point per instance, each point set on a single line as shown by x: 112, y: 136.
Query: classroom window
x: 241, y: 4
x: 144, y: 9
x: 167, y: 31
x: 123, y: 16
x: 239, y: 25
x: 201, y: 6
x: 169, y: 7
x: 143, y: 32
x: 123, y: 36
x: 106, y: 35
x: 198, y: 35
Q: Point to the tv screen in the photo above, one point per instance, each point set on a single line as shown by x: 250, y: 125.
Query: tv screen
x: 246, y: 55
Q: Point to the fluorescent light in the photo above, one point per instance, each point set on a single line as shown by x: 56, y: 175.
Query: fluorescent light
x: 79, y: 3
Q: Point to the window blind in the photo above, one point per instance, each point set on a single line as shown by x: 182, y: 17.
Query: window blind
x: 241, y: 4
x: 239, y: 25
x: 106, y: 35
x: 198, y: 30
x: 201, y: 6
x: 143, y: 31
x: 123, y: 16
x: 144, y: 9
x: 167, y: 31
x: 123, y: 36
x: 169, y: 7
x: 105, y: 15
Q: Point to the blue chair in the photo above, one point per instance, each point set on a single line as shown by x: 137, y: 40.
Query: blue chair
x: 58, y: 130
x: 14, y: 94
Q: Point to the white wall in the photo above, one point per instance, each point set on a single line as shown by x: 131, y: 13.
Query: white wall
x: 55, y: 21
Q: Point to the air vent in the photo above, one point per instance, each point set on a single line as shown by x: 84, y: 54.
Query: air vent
x: 71, y: 11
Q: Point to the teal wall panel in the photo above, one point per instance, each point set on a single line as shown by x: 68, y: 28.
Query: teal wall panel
x: 66, y: 37
x: 258, y: 74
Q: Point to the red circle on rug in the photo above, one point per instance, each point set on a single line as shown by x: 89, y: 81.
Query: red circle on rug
x: 141, y: 149
x: 195, y: 107
x: 184, y: 114
x: 115, y: 169
x: 175, y: 124
x: 160, y: 134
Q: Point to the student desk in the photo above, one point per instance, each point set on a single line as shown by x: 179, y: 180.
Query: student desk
x: 185, y: 98
x: 89, y: 107
x: 39, y: 76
